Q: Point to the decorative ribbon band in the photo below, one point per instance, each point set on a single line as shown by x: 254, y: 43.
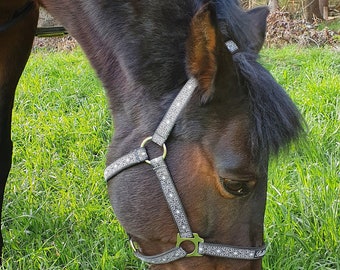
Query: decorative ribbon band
x: 169, y: 190
x: 171, y: 196
x: 164, y: 128
x: 226, y: 251
x: 133, y: 158
x: 216, y: 250
x: 166, y: 257
x: 232, y: 47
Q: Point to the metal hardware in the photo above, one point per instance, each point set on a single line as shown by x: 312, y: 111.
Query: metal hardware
x: 146, y: 141
x: 133, y: 245
x: 195, y: 240
x: 171, y: 195
x: 232, y: 47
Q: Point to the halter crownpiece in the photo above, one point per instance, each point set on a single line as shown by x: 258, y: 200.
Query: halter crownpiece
x: 232, y: 47
x: 185, y: 234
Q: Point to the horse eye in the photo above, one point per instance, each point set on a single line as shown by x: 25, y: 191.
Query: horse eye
x: 237, y: 188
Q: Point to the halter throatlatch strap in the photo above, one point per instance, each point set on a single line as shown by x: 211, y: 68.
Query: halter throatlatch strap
x: 18, y: 15
x: 170, y: 193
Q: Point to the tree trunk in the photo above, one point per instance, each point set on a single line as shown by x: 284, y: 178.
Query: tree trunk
x: 46, y: 20
x: 312, y: 10
x: 273, y: 5
x: 323, y: 6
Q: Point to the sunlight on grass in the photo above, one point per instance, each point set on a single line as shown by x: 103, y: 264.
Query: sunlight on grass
x: 303, y: 198
x: 56, y: 212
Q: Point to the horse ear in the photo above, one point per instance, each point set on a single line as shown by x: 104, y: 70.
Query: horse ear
x: 258, y: 19
x: 201, y: 50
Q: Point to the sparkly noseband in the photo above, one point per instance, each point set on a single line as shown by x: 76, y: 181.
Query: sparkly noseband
x: 158, y: 164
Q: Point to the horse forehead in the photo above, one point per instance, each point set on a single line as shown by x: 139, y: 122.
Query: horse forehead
x: 229, y: 128
x: 227, y: 144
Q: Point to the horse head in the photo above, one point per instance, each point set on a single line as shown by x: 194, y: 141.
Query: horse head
x: 218, y: 145
x: 196, y: 119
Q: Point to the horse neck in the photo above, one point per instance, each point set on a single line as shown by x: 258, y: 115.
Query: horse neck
x: 137, y: 54
x: 137, y: 101
x: 141, y: 65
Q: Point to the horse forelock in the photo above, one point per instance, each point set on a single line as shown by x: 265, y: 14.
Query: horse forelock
x: 275, y: 120
x: 152, y: 50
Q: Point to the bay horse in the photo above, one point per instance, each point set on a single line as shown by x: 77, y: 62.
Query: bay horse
x: 196, y: 120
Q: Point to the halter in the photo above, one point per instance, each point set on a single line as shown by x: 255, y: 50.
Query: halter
x: 158, y: 164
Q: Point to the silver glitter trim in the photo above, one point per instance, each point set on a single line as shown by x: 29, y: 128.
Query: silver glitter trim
x: 231, y: 46
x: 231, y: 252
x: 171, y: 195
x: 134, y: 157
x: 175, y: 205
x: 166, y: 257
x: 164, y: 128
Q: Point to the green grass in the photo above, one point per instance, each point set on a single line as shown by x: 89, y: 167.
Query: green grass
x: 56, y: 213
x: 333, y: 25
x: 302, y: 220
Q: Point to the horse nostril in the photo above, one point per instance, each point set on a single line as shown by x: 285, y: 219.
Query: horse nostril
x: 236, y: 187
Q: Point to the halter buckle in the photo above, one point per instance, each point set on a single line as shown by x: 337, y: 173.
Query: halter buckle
x: 195, y: 240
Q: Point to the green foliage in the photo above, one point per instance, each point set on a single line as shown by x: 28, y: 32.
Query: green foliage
x: 56, y: 212
x: 332, y: 25
x: 302, y: 220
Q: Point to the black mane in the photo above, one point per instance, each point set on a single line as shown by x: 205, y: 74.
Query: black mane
x: 157, y: 50
x: 274, y: 117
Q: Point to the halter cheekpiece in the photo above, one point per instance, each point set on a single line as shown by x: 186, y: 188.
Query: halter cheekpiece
x: 158, y: 164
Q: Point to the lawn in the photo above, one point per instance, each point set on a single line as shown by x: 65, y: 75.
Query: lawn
x: 56, y: 213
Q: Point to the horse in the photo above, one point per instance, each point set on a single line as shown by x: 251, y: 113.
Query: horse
x: 196, y: 119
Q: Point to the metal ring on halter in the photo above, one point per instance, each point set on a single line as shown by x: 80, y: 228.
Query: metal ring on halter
x: 145, y: 142
x: 133, y: 245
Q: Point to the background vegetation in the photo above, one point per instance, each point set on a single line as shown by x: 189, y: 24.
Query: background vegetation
x: 56, y: 213
x: 310, y: 10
